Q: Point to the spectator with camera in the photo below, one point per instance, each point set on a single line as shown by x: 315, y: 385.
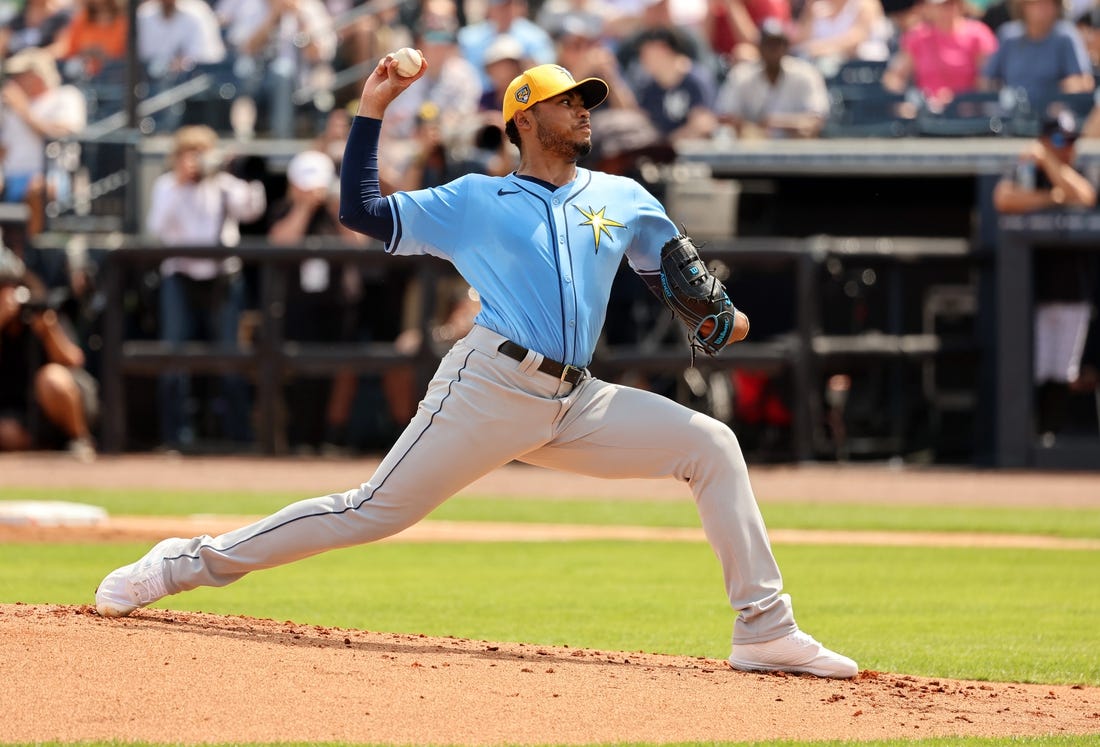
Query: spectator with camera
x: 198, y: 203
x: 47, y: 399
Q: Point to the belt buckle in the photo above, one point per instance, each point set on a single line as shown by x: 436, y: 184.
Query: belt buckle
x: 567, y: 368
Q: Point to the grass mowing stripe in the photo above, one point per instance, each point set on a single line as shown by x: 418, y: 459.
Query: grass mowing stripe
x: 1012, y: 615
x: 1061, y: 523
x: 1079, y: 523
x: 1060, y: 740
x: 1043, y: 741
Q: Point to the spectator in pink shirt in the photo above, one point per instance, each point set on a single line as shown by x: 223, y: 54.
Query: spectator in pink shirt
x: 943, y: 55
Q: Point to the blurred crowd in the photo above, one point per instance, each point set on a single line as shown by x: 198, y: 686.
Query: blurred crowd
x: 678, y: 68
x: 235, y: 70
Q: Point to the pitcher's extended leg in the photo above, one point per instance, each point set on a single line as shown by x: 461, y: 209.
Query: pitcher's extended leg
x: 466, y: 426
x: 616, y: 431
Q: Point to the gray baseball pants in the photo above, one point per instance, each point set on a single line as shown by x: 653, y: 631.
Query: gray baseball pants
x: 484, y: 409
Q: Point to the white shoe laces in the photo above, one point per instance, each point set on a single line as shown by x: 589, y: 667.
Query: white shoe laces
x: 803, y: 638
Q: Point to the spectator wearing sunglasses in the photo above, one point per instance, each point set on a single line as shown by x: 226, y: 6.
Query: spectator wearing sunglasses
x: 1045, y: 179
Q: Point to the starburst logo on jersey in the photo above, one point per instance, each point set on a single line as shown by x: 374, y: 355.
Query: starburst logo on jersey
x: 600, y: 224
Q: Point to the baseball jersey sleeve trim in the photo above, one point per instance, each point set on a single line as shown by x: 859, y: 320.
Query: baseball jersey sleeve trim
x: 395, y: 238
x: 652, y: 280
x: 362, y: 206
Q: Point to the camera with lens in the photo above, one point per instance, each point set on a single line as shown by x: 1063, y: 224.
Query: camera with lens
x: 13, y: 274
x: 32, y: 304
x: 210, y: 163
x: 12, y: 269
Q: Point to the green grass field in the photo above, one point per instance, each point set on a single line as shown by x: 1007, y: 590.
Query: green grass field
x: 1080, y: 523
x: 1045, y: 741
x: 974, y: 613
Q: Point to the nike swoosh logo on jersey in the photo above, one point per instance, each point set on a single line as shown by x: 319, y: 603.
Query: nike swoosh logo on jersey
x: 501, y: 192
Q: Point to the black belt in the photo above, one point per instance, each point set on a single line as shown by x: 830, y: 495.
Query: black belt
x: 562, y: 371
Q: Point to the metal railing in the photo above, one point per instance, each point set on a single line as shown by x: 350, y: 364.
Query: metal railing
x: 272, y: 359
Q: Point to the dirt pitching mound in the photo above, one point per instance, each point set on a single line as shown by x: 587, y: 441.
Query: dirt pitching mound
x: 165, y: 676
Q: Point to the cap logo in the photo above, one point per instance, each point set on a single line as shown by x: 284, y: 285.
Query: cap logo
x: 566, y: 73
x: 523, y: 95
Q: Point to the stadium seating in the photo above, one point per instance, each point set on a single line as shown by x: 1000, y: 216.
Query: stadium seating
x: 1081, y: 104
x: 974, y: 114
x: 856, y: 79
x: 878, y: 114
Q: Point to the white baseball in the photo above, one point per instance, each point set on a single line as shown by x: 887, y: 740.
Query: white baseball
x: 408, y: 62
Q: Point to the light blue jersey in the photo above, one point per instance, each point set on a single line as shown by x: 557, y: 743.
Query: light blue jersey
x: 555, y: 251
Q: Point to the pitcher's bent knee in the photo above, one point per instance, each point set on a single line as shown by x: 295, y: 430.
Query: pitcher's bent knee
x: 713, y: 453
x: 713, y: 439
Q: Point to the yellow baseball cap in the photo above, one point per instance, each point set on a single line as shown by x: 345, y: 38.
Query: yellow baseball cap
x: 546, y: 81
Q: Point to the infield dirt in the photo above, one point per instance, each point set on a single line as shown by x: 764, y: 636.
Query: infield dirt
x: 166, y: 676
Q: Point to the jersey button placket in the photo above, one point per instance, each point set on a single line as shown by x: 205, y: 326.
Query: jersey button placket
x: 570, y: 297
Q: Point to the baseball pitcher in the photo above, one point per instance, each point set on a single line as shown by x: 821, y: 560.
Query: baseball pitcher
x: 541, y: 246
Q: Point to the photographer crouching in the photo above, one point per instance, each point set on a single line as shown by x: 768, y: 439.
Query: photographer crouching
x: 47, y: 399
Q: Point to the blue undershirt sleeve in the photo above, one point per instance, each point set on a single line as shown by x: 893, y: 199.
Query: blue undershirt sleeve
x: 362, y: 206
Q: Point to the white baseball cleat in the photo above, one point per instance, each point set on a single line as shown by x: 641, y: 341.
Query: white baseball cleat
x: 138, y: 584
x: 795, y: 652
